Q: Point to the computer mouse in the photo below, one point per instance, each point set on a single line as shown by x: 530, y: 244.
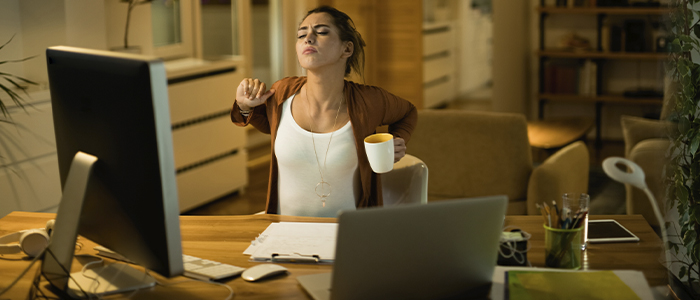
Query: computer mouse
x: 262, y: 271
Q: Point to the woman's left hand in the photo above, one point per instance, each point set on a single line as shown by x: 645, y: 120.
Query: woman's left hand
x: 399, y: 149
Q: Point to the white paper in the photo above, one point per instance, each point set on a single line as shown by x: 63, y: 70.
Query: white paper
x: 295, y: 239
x: 255, y: 244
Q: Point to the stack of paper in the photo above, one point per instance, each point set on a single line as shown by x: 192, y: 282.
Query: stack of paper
x: 295, y: 242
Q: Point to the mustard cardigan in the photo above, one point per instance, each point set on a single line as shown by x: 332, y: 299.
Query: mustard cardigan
x: 368, y: 108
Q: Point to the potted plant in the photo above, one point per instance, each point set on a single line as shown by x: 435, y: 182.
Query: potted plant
x: 684, y: 174
x: 11, y: 85
x: 131, y: 5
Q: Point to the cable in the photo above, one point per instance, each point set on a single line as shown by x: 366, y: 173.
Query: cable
x: 23, y: 272
x: 85, y: 267
x: 520, y: 256
x: 10, y: 259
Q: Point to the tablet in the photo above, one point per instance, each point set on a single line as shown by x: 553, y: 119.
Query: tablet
x: 609, y: 231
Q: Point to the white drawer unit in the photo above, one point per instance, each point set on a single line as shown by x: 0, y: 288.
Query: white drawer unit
x: 206, y: 139
x: 210, y: 156
x: 210, y: 181
x: 438, y: 64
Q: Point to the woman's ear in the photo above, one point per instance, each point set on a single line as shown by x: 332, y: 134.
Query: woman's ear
x: 349, y: 49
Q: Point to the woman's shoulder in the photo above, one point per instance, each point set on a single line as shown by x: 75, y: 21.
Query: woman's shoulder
x: 292, y: 80
x: 287, y: 86
x: 364, y: 88
x: 367, y: 92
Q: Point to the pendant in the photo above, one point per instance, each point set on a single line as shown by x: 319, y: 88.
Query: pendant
x: 323, y: 190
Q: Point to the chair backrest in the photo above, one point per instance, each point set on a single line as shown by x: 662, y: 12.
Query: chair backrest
x: 406, y: 183
x: 473, y: 154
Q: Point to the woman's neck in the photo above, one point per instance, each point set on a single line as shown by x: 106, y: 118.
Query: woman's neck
x: 324, y: 90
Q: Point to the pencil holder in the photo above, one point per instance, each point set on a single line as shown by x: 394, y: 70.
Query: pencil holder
x: 562, y: 248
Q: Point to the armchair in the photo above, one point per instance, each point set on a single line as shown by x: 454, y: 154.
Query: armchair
x: 646, y: 144
x: 474, y: 154
x: 406, y: 183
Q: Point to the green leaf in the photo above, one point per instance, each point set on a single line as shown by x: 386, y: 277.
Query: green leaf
x: 694, y: 146
x: 675, y: 46
x: 682, y: 272
x: 684, y: 125
x: 685, y: 38
x: 10, y: 40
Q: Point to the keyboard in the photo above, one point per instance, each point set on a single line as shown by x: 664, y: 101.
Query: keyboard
x: 205, y: 269
x: 195, y: 267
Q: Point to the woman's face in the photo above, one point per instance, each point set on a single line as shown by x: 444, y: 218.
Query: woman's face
x: 319, y: 44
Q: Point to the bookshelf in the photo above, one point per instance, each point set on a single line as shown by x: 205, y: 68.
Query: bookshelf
x: 599, y: 55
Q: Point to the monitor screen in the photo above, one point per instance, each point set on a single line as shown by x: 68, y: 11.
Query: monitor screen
x: 115, y: 107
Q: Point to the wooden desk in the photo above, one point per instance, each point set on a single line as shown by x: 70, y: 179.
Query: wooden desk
x: 223, y: 238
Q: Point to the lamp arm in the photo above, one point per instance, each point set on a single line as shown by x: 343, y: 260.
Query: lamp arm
x: 659, y: 218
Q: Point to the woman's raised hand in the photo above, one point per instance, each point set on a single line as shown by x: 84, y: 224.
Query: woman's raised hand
x: 251, y: 93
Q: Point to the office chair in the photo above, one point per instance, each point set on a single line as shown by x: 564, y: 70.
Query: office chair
x: 406, y: 183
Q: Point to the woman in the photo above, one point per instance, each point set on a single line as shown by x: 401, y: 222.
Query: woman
x: 318, y: 123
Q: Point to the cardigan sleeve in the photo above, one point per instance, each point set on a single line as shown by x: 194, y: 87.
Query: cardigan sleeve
x: 400, y: 114
x: 258, y: 117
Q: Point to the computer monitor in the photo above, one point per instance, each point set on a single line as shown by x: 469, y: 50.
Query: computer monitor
x: 115, y: 156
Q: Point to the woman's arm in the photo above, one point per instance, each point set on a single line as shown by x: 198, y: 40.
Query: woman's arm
x: 401, y: 116
x: 248, y: 107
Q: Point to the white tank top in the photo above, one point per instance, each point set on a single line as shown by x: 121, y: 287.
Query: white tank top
x: 298, y: 172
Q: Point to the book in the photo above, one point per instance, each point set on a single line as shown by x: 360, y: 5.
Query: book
x: 548, y: 283
x: 567, y: 285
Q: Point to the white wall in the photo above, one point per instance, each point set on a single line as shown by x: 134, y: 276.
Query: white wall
x: 475, y: 32
x: 10, y: 25
x: 39, y: 24
x: 511, y: 58
x: 217, y: 33
x: 140, y: 32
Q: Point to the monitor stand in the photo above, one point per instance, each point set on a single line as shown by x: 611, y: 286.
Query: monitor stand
x: 109, y: 279
x: 57, y: 261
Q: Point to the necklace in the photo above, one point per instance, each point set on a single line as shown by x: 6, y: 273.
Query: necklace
x: 323, y: 188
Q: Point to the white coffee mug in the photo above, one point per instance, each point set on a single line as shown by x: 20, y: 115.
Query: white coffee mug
x: 380, y: 152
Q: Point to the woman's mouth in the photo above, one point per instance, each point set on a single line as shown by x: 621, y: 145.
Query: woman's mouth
x: 309, y: 50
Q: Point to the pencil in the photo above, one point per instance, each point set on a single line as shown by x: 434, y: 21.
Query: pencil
x: 557, y: 214
x: 541, y: 209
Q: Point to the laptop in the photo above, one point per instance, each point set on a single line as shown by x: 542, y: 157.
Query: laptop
x: 441, y: 250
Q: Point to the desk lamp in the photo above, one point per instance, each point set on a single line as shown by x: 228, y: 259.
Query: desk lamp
x: 635, y: 177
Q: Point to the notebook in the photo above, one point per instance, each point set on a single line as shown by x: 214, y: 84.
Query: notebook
x: 445, y: 249
x: 547, y: 283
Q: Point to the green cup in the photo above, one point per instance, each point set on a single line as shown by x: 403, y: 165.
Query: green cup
x: 562, y: 248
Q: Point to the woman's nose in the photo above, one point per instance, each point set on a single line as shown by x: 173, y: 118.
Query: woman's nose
x: 310, y: 38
